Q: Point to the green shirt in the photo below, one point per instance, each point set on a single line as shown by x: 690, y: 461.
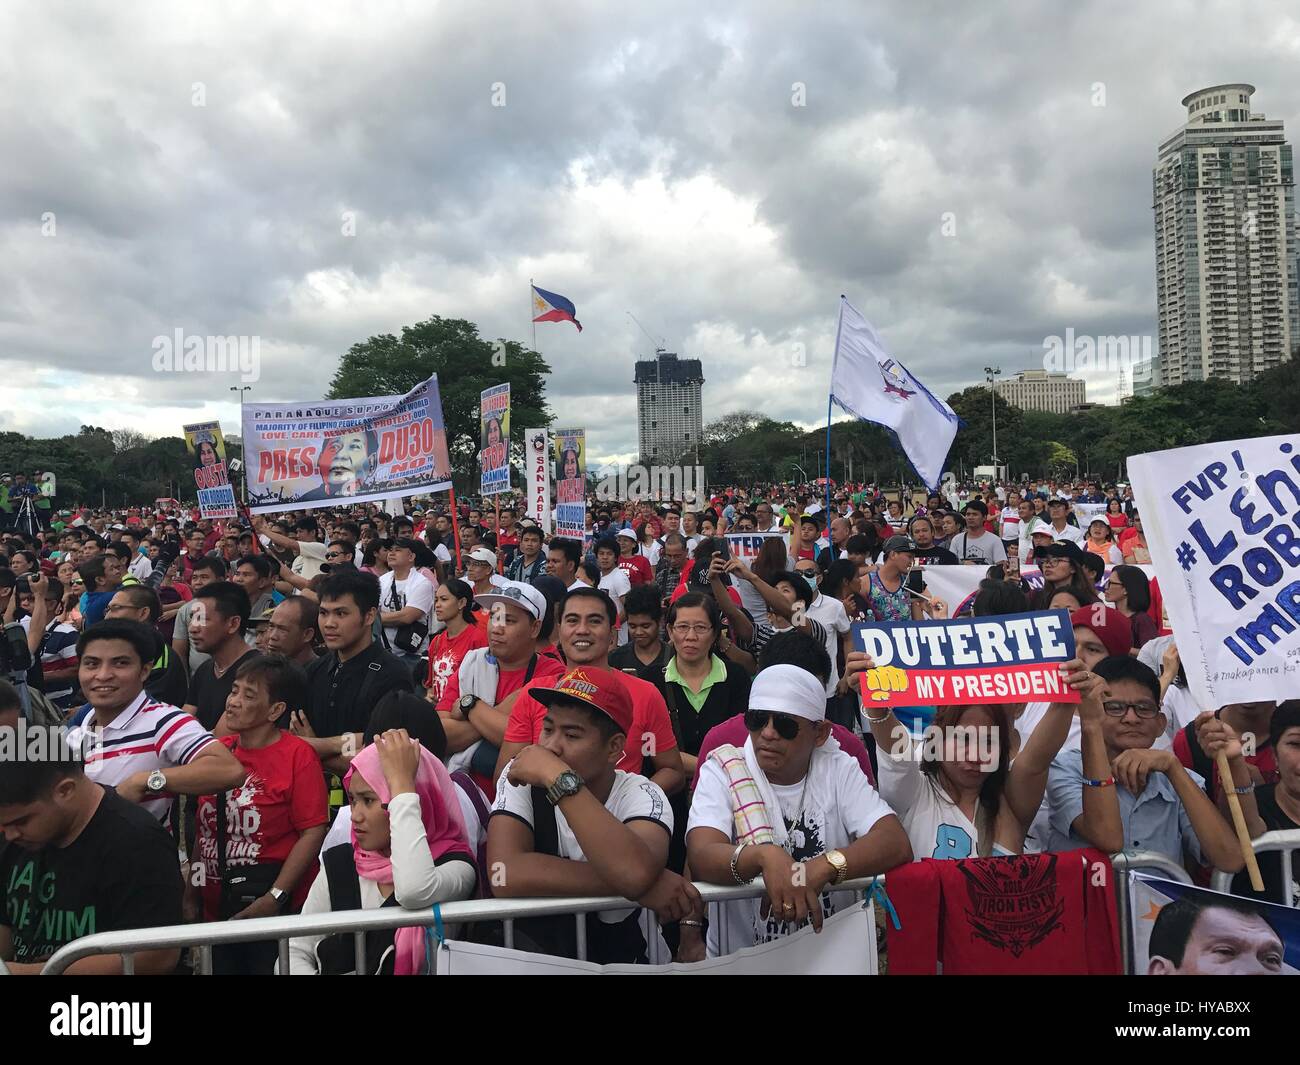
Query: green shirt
x: 697, y: 698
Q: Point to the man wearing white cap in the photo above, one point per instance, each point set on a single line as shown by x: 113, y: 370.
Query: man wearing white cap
x: 790, y: 807
x: 481, y: 571
x: 479, y: 696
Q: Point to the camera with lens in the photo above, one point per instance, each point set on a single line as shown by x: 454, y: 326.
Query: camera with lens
x: 15, y: 655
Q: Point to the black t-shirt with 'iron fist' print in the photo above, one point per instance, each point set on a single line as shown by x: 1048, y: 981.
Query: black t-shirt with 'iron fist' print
x: 121, y: 872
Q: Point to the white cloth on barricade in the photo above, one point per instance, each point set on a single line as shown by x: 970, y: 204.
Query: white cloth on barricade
x: 845, y: 946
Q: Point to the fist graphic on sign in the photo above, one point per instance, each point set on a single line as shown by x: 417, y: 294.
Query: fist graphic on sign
x: 882, y: 680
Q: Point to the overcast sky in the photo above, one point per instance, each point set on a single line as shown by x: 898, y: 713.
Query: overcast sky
x: 653, y: 159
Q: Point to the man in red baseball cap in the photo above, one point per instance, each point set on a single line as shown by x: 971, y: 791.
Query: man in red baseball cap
x: 1100, y: 631
x: 567, y: 821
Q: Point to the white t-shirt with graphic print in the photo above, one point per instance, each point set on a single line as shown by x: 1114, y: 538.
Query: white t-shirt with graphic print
x: 839, y: 807
x: 632, y: 798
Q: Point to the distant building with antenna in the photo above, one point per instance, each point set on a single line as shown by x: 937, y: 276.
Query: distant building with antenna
x: 669, y: 407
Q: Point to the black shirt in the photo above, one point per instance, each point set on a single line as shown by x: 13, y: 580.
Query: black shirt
x: 1270, y: 864
x: 168, y: 682
x: 208, y: 692
x: 936, y: 556
x: 725, y: 700
x: 625, y: 657
x: 119, y: 873
x: 341, y: 697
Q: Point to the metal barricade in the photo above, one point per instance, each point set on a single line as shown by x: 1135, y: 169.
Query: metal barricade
x: 357, y: 922
x: 1126, y: 862
x: 1281, y: 843
x: 204, y: 937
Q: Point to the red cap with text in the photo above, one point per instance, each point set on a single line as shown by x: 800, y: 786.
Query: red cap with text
x: 602, y: 689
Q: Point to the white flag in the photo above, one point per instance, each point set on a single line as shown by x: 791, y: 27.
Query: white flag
x: 870, y: 384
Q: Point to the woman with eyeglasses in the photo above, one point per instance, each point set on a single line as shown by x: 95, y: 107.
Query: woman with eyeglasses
x: 1128, y: 590
x: 701, y: 688
x: 1063, y: 571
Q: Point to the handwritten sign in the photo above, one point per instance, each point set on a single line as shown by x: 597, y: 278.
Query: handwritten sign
x: 1222, y: 522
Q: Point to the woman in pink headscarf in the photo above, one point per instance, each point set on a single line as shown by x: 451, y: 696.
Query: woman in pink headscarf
x: 409, y: 848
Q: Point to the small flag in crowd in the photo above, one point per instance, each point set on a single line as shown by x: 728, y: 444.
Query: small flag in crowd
x: 872, y: 385
x: 552, y: 307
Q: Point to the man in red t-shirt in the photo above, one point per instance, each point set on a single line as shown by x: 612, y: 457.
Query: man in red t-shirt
x: 515, y: 612
x: 586, y: 635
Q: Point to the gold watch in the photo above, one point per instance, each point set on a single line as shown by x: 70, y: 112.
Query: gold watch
x: 839, y: 863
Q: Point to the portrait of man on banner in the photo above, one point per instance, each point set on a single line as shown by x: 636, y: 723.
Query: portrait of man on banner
x: 347, y: 464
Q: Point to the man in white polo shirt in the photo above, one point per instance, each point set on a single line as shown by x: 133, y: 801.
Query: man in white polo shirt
x: 148, y: 752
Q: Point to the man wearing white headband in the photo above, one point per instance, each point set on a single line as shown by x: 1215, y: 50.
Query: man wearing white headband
x: 790, y: 807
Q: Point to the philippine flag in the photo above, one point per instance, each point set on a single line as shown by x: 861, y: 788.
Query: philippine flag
x: 552, y: 307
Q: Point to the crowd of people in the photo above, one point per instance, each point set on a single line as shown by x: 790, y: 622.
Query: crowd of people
x: 344, y: 709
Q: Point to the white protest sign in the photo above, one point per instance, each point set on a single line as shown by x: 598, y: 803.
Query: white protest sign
x: 1085, y: 512
x: 746, y: 545
x: 958, y: 585
x: 846, y: 945
x: 1221, y: 524
x: 537, y: 474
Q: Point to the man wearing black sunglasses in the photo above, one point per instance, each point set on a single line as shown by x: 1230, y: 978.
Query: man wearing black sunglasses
x: 811, y: 818
x: 1163, y: 807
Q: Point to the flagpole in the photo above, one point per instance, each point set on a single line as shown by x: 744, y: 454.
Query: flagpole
x: 531, y: 315
x: 830, y: 399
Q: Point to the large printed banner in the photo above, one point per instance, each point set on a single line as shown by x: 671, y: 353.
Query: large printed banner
x: 957, y: 585
x: 1011, y: 658
x: 746, y: 545
x: 537, y: 475
x: 1181, y: 930
x: 316, y: 454
x: 207, y: 448
x: 571, y: 483
x: 846, y: 946
x: 494, y: 454
x: 1221, y: 522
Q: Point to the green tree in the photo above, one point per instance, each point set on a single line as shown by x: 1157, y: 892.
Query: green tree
x: 973, y: 444
x: 466, y: 364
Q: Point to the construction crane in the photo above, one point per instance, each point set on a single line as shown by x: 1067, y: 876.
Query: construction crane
x: 660, y: 343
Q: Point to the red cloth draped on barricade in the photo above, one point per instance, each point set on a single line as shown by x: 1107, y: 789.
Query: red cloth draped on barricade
x: 1036, y: 914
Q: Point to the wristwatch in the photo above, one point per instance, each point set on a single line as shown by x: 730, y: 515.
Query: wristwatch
x: 566, y: 784
x: 467, y: 703
x: 839, y: 863
x: 156, y: 781
x: 280, y: 895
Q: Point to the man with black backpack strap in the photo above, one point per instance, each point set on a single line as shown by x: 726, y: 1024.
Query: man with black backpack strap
x: 345, y: 683
x: 568, y: 822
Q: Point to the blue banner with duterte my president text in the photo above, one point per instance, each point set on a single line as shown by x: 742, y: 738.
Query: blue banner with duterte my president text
x: 1012, y: 658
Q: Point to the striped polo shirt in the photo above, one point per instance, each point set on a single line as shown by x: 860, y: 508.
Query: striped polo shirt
x: 143, y: 737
